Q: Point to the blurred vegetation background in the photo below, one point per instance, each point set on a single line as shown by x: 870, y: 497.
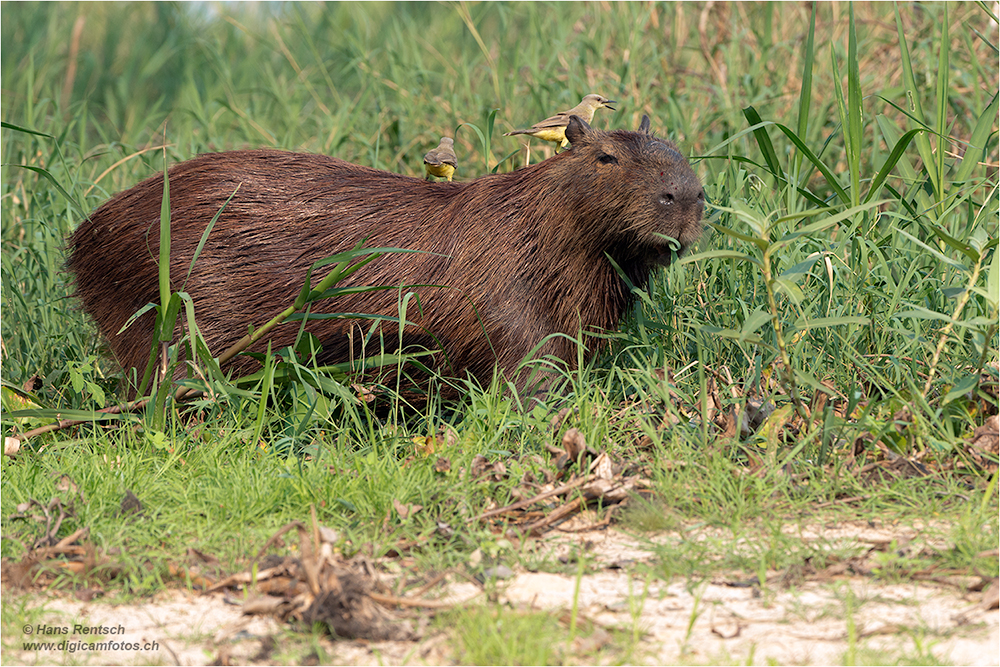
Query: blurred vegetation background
x: 354, y: 79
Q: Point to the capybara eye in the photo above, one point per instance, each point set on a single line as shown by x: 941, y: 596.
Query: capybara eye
x: 604, y: 158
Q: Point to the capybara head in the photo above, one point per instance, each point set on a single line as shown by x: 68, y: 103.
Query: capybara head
x: 509, y: 266
x: 638, y: 188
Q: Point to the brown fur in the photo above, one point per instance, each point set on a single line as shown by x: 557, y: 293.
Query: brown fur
x: 526, y: 248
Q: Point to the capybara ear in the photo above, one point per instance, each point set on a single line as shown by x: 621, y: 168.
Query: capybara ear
x: 577, y: 129
x: 644, y: 125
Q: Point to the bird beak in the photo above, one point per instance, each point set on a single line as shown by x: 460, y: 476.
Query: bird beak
x: 608, y: 104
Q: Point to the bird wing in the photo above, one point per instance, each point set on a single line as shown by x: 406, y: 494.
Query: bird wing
x: 438, y: 157
x: 561, y: 119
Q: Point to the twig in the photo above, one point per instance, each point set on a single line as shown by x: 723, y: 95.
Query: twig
x: 946, y: 331
x: 557, y: 514
x: 600, y: 525
x: 542, y: 496
x: 70, y: 539
x: 66, y: 423
x: 281, y: 531
x: 430, y: 584
x: 410, y: 602
x: 246, y: 578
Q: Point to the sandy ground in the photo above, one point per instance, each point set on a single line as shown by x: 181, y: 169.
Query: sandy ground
x: 707, y: 622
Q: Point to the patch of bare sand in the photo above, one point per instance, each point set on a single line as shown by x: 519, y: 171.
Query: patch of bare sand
x: 807, y: 623
x: 176, y: 627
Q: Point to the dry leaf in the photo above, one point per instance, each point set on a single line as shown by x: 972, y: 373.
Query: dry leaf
x: 754, y: 416
x: 426, y: 445
x: 986, y: 438
x: 66, y: 483
x: 574, y: 443
x: 601, y: 466
x: 405, y: 511
x: 328, y: 535
x: 364, y: 394
x: 446, y: 435
x: 34, y: 383
x: 558, y: 421
x: 991, y: 596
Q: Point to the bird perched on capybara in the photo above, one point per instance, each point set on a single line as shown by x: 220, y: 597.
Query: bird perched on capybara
x: 441, y: 161
x: 553, y: 128
x: 507, y: 259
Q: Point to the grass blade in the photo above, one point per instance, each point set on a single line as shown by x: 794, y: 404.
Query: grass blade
x: 942, y: 101
x: 11, y: 126
x: 853, y: 133
x: 890, y: 163
x: 977, y: 142
x: 828, y: 174
x: 823, y: 322
x: 208, y: 230
x: 164, y: 266
x: 58, y: 186
x: 805, y: 91
x: 764, y: 142
x: 912, y: 93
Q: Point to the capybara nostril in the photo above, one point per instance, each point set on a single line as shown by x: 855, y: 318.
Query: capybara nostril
x: 684, y: 189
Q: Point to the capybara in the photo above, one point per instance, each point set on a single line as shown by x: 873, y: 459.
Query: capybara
x: 505, y: 261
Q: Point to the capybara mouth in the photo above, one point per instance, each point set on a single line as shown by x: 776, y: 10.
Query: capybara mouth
x: 665, y: 258
x: 665, y: 248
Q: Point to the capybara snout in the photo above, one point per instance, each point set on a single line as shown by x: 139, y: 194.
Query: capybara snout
x: 503, y: 261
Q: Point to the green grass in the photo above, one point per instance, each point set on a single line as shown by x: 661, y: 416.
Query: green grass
x: 850, y: 252
x: 501, y: 637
